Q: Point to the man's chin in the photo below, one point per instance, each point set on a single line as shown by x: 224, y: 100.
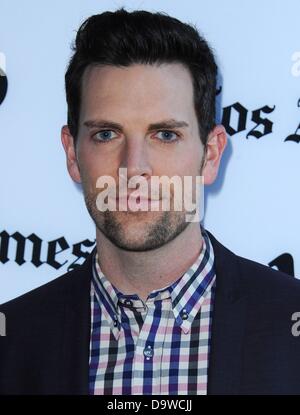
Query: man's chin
x: 133, y: 235
x: 130, y: 232
x: 135, y: 246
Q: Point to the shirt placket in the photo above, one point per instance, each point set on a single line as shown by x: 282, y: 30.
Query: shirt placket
x: 149, y: 347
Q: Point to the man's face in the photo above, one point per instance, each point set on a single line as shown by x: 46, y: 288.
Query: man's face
x: 119, y: 110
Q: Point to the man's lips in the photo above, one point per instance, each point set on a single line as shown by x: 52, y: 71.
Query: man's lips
x: 137, y: 202
x: 138, y: 199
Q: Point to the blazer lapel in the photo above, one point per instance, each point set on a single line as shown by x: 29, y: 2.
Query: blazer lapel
x: 75, y: 350
x: 228, y: 324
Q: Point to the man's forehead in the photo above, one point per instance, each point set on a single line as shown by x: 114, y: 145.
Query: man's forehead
x: 137, y: 73
x: 163, y: 91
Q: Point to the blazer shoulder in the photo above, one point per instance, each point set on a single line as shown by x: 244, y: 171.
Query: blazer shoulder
x: 268, y: 282
x: 51, y: 291
x: 257, y: 281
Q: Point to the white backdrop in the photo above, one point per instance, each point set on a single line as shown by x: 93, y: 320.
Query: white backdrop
x: 253, y: 208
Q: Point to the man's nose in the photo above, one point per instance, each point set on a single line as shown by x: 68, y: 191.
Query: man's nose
x: 135, y: 159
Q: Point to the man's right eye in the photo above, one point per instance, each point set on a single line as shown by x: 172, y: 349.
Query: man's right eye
x: 104, y: 135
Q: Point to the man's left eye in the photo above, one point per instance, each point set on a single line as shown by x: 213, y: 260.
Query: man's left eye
x: 166, y: 135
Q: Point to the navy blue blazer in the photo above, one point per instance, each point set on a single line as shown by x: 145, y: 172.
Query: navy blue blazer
x: 253, y: 350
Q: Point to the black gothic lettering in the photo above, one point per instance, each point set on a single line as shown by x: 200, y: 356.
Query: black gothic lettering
x: 242, y: 118
x: 20, y: 251
x: 264, y: 122
x: 294, y: 137
x: 79, y: 253
x: 52, y: 252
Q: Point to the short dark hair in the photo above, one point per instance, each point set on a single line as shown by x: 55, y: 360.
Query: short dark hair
x: 123, y: 38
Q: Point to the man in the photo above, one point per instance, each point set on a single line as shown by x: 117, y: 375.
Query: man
x: 159, y: 306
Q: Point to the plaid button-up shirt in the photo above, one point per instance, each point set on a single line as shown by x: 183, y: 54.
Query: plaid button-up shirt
x: 160, y: 346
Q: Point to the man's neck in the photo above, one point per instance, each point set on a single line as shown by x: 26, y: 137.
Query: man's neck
x: 142, y: 272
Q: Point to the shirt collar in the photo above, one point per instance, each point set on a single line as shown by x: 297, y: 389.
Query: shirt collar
x: 187, y: 293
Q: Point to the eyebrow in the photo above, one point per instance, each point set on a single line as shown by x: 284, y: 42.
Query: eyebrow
x: 164, y: 124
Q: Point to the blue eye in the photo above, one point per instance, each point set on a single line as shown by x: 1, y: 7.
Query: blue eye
x: 167, y: 136
x: 105, y: 135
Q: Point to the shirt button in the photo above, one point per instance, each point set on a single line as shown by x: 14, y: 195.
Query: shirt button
x: 128, y: 302
x: 148, y: 352
x: 184, y: 314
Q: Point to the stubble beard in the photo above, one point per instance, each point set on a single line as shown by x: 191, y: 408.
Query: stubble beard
x: 136, y: 231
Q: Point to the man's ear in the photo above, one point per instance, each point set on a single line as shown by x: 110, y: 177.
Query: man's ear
x: 69, y: 146
x: 216, y: 143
